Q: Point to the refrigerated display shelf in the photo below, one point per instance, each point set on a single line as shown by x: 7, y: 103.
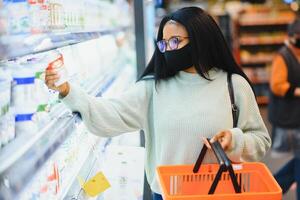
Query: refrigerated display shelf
x: 75, y: 172
x: 85, y: 168
x: 93, y: 89
x: 18, y: 147
x: 21, y: 45
x: 14, y: 178
x: 85, y: 171
x: 31, y: 153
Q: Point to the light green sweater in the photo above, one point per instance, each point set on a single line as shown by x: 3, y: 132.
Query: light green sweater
x: 175, y: 116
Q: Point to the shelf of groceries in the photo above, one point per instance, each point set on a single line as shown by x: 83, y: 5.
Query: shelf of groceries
x: 21, y: 45
x: 260, y: 31
x: 47, y: 131
x: 262, y: 39
x: 248, y: 58
x: 266, y: 18
x: 40, y: 25
x: 43, y: 145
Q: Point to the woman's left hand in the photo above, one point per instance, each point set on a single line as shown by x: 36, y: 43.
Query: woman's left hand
x: 224, y: 137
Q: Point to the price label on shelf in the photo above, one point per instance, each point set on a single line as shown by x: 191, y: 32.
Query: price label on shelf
x: 96, y: 185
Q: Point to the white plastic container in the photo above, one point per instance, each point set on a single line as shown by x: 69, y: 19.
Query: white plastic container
x: 18, y: 17
x: 7, y: 127
x: 4, y: 107
x: 23, y: 98
x: 41, y: 95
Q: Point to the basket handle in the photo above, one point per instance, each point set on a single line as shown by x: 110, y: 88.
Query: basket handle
x: 225, y: 164
x: 203, y: 152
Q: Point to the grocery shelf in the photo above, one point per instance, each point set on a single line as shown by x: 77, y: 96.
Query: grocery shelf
x: 265, y: 22
x: 21, y: 45
x: 64, y: 191
x: 262, y: 100
x: 21, y: 171
x: 85, y: 170
x: 255, y: 40
x: 10, y: 154
x: 256, y: 60
x: 24, y: 156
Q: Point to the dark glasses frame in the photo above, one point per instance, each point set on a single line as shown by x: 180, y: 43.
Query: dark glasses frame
x: 172, y: 42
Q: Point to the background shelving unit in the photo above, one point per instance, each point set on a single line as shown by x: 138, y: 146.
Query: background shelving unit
x: 259, y: 32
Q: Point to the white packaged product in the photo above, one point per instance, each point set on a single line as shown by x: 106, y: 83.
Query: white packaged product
x: 18, y: 16
x: 7, y: 128
x: 23, y: 98
x: 56, y: 62
x: 42, y: 96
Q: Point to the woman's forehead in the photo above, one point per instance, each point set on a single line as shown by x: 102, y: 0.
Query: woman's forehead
x: 173, y: 28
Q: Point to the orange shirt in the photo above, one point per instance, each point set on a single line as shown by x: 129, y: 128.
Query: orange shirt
x: 279, y: 77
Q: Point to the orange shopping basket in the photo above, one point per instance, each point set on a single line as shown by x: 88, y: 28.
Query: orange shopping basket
x: 247, y: 181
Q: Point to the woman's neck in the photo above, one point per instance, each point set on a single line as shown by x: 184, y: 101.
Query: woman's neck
x: 191, y: 70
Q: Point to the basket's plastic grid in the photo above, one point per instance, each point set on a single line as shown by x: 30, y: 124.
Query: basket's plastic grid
x: 255, y: 180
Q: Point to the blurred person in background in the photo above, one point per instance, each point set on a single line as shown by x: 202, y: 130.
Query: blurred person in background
x: 284, y: 110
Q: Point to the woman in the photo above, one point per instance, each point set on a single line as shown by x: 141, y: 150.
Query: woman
x: 284, y: 112
x: 181, y: 97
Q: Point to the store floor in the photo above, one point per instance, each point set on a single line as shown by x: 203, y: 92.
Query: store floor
x: 274, y: 162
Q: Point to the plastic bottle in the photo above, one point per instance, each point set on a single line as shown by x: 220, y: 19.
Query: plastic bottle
x: 44, y: 15
x: 4, y: 106
x: 7, y: 127
x: 56, y: 62
x: 23, y: 99
x: 18, y: 16
x: 41, y: 97
x: 56, y: 16
x: 34, y: 10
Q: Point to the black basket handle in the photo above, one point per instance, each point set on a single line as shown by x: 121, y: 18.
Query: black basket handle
x: 225, y: 165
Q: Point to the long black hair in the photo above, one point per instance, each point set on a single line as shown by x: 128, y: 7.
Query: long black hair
x: 208, y: 45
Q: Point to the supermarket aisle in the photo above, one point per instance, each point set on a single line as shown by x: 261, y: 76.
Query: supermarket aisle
x: 274, y: 162
x: 45, y: 149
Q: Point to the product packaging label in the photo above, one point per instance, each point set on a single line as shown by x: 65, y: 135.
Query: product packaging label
x: 56, y: 63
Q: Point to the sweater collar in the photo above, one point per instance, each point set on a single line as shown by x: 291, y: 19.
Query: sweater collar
x: 195, y: 77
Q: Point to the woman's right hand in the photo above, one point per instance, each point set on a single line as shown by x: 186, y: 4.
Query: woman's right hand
x: 51, y: 77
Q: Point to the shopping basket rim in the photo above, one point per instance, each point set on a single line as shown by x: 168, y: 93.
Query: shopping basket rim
x: 275, y: 188
x: 234, y: 164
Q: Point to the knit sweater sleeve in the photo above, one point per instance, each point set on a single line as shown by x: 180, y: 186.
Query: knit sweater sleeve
x: 111, y: 117
x: 250, y: 140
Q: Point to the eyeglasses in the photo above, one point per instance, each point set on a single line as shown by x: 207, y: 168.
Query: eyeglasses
x: 173, y: 43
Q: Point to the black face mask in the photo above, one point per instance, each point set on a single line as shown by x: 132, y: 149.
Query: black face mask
x: 179, y: 59
x: 297, y: 43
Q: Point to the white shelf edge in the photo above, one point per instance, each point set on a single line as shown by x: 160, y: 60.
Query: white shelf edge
x: 7, y: 161
x: 64, y: 191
